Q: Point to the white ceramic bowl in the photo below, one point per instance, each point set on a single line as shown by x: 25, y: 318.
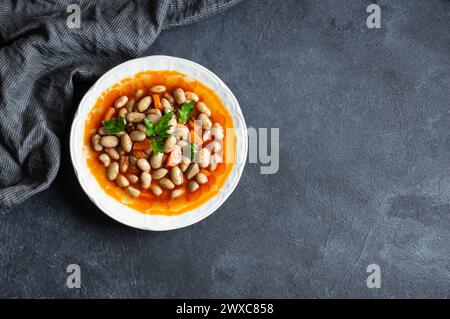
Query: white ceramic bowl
x: 114, y: 208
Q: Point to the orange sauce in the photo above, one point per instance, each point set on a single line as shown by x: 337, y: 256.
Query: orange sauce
x: 148, y: 203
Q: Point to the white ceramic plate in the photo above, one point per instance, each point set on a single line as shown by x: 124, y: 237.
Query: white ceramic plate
x: 114, y: 208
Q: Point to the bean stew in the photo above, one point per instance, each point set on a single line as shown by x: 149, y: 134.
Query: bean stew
x: 160, y: 142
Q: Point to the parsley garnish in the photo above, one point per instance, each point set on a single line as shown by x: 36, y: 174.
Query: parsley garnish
x: 159, y: 129
x: 115, y: 126
x: 185, y: 112
x: 157, y: 132
x: 157, y: 145
x: 193, y: 151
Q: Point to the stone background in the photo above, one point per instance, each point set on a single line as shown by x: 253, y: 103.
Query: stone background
x: 364, y: 169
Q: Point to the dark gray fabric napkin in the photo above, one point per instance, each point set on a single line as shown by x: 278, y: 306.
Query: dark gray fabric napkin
x: 41, y: 58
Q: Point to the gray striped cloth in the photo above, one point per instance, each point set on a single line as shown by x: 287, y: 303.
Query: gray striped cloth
x: 41, y: 59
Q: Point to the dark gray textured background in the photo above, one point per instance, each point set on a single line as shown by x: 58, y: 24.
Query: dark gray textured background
x: 364, y: 169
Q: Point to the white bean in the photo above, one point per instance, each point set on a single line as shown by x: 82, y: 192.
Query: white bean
x: 105, y: 159
x: 169, y: 144
x: 167, y: 106
x: 126, y: 143
x: 159, y: 173
x: 143, y: 165
x: 181, y: 132
x: 146, y: 180
x: 133, y: 191
x: 112, y: 171
x: 139, y: 94
x: 206, y: 122
x: 176, y: 193
x: 123, y: 112
x: 141, y: 127
x: 102, y: 131
x: 135, y: 117
x: 176, y: 175
x: 95, y: 142
x: 156, y: 160
x: 202, y: 108
x: 203, y: 157
x: 155, y: 111
x: 158, y: 89
x: 212, y: 167
x: 122, y: 181
x: 192, y: 186
x: 206, y: 135
x: 173, y: 124
x: 133, y: 179
x: 201, y: 178
x: 169, y: 97
x: 179, y: 96
x: 166, y: 183
x: 121, y: 102
x: 123, y: 163
x: 191, y: 96
x: 183, y: 166
x: 112, y: 153
x: 192, y: 170
x: 130, y: 105
x: 156, y: 190
x: 109, y: 141
x: 119, y: 134
x: 137, y: 136
x: 144, y: 103
x: 154, y: 118
x: 217, y: 131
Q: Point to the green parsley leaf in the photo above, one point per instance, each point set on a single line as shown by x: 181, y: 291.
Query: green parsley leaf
x: 193, y: 151
x: 162, y: 126
x: 115, y: 125
x: 185, y: 112
x: 150, y: 127
x: 159, y: 129
x: 158, y: 132
x: 157, y: 145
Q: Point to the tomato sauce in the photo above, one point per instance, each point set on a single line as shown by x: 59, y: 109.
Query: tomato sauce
x: 147, y: 202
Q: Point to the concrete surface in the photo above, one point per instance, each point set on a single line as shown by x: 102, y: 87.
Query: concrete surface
x: 364, y: 169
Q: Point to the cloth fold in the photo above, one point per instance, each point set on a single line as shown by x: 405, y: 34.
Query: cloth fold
x: 41, y: 58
